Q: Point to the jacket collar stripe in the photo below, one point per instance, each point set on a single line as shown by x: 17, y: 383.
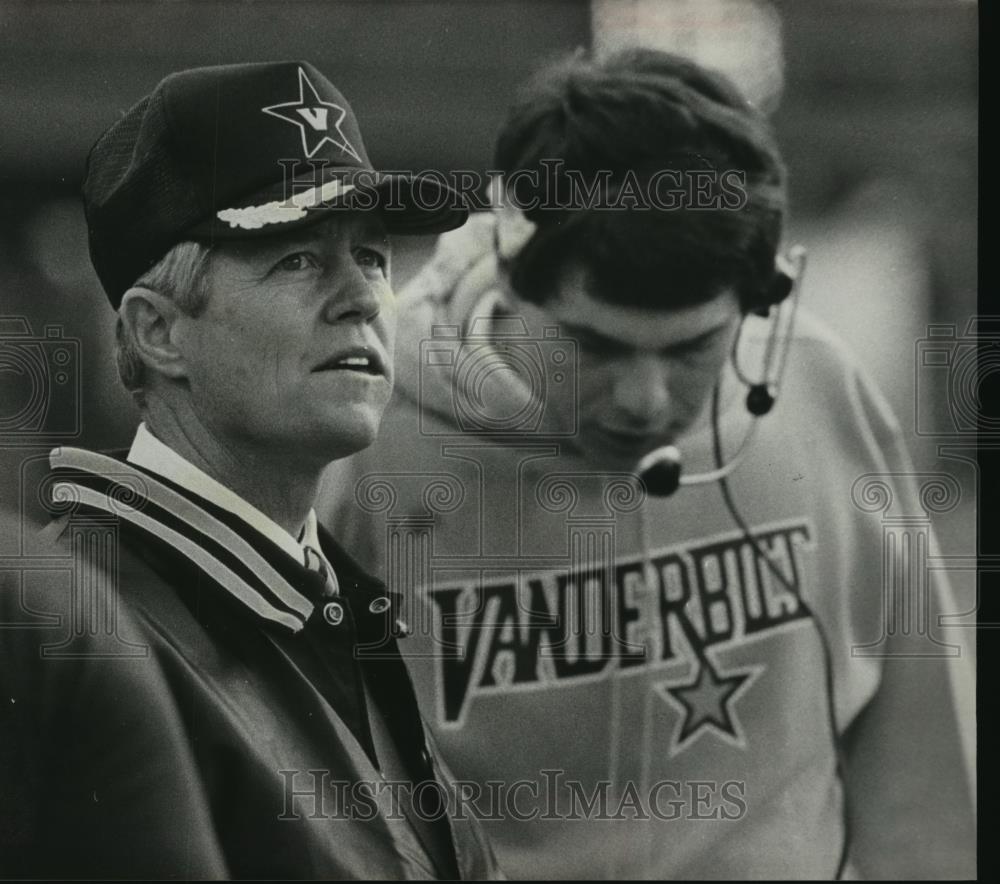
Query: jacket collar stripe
x: 200, y: 521
x: 290, y: 568
x: 170, y: 520
x: 215, y: 569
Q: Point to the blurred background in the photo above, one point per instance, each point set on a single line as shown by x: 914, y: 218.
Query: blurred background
x: 875, y: 103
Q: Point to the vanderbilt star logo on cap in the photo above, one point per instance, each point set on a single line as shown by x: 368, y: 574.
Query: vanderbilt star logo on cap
x: 314, y: 118
x: 205, y: 157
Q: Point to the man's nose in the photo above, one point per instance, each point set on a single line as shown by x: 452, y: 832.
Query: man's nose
x: 642, y: 388
x: 353, y: 297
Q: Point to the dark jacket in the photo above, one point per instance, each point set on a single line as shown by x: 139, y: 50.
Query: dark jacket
x: 177, y: 702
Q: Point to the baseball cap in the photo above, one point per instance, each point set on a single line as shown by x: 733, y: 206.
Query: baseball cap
x: 238, y: 152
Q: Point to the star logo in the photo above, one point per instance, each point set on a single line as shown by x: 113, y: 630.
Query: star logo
x: 318, y: 121
x: 708, y: 704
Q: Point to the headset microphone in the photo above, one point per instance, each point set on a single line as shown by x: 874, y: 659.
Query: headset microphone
x: 660, y: 470
x: 760, y: 400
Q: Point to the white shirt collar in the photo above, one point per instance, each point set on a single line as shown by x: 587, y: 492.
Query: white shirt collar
x: 150, y: 453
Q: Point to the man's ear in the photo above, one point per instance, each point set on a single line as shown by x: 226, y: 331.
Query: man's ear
x: 150, y: 326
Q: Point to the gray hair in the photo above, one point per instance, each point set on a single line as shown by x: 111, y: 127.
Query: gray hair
x: 179, y: 275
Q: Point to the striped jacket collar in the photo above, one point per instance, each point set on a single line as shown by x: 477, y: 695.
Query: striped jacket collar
x: 152, y: 455
x: 249, y: 565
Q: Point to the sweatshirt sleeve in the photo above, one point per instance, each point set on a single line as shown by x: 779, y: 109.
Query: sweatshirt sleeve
x: 910, y: 753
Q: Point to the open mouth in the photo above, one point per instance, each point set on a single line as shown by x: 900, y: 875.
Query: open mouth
x: 361, y: 361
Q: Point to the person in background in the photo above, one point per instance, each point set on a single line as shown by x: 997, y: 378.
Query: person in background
x: 634, y: 515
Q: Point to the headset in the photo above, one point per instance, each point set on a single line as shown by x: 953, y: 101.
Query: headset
x: 661, y: 469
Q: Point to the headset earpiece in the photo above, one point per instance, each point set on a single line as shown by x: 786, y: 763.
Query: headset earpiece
x: 778, y: 288
x: 784, y: 282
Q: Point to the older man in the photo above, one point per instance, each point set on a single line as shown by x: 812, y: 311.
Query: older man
x: 241, y: 709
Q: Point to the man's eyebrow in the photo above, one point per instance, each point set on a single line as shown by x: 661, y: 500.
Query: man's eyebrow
x: 588, y: 333
x: 371, y: 230
x: 701, y: 338
x: 585, y: 332
x: 266, y: 247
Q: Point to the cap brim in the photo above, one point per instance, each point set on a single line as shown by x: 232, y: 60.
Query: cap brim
x: 407, y: 204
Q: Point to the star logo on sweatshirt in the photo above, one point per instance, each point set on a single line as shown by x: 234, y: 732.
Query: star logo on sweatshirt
x: 318, y: 121
x: 707, y: 704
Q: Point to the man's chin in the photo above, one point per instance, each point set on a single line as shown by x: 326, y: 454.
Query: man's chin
x: 346, y: 445
x: 347, y: 438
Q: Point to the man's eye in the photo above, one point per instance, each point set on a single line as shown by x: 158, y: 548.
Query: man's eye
x: 296, y: 262
x: 370, y: 258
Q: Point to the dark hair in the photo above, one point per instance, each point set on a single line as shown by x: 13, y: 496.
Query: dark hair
x: 631, y: 120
